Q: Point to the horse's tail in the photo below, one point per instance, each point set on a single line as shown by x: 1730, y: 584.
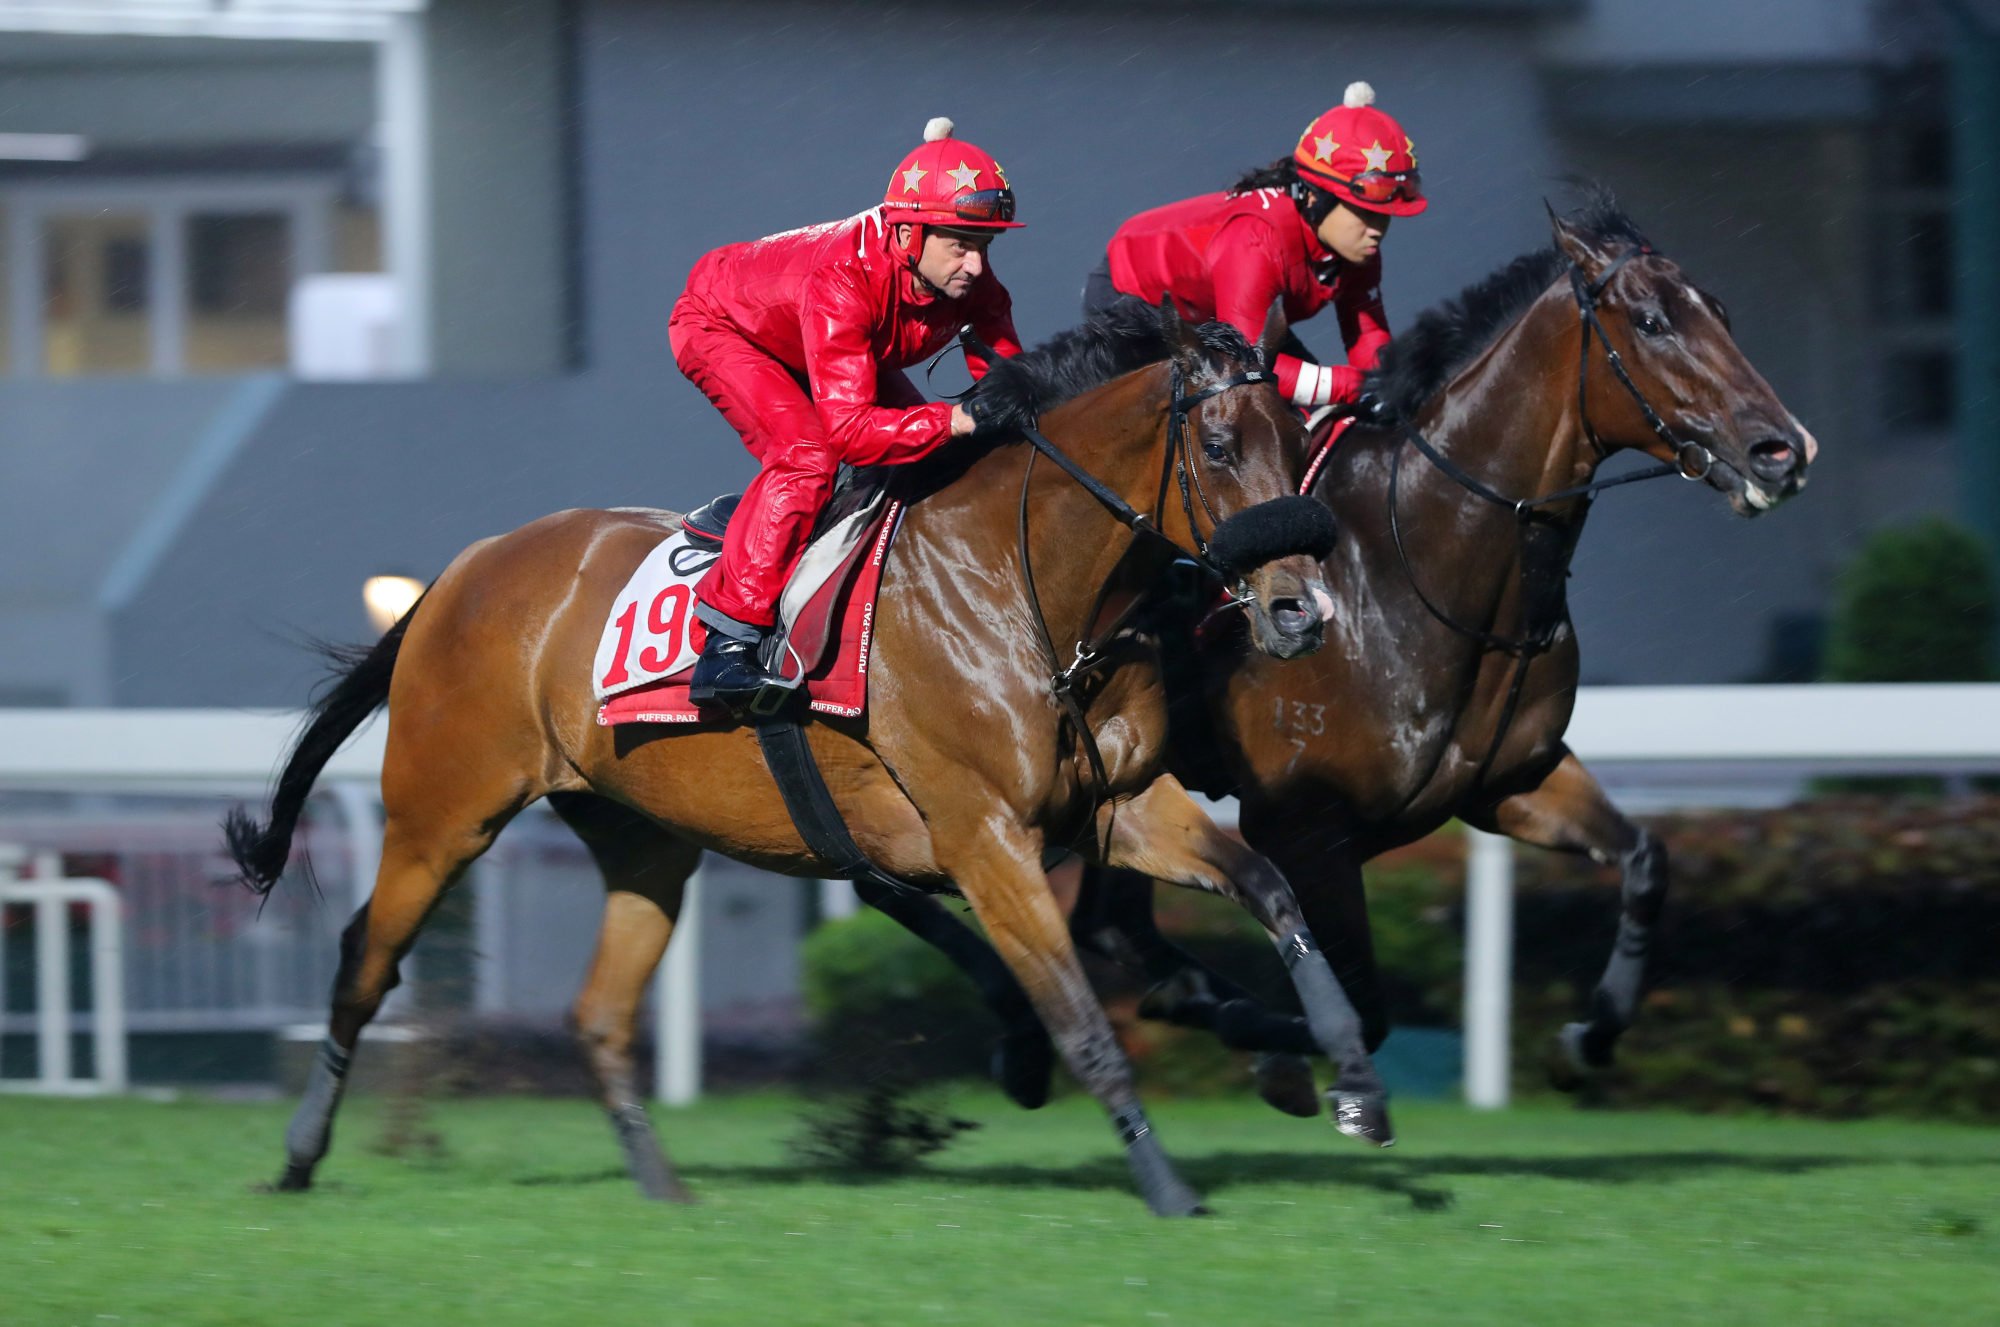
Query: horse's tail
x: 360, y: 680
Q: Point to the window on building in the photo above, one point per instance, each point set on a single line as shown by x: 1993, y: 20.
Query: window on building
x: 239, y: 271
x: 1915, y: 296
x: 169, y: 276
x: 95, y: 281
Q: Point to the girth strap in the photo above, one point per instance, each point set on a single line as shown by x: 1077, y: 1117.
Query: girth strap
x: 813, y: 812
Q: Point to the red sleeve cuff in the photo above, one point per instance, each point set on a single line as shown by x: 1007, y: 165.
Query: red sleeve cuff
x: 1310, y: 385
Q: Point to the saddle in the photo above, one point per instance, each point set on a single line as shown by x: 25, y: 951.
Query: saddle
x: 652, y: 637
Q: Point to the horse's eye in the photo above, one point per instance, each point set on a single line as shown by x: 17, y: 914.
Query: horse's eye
x: 1214, y: 450
x: 1649, y: 325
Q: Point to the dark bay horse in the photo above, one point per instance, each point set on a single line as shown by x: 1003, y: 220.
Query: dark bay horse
x: 1451, y: 667
x: 963, y: 775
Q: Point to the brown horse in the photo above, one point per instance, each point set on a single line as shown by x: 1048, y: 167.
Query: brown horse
x: 1451, y: 667
x: 964, y: 773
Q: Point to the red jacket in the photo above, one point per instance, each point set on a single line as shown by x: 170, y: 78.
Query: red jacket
x: 838, y: 303
x: 1227, y: 256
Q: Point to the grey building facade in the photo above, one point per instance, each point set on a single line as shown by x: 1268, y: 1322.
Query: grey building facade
x: 165, y: 536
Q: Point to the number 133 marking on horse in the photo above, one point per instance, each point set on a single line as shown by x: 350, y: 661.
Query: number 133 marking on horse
x: 1297, y: 720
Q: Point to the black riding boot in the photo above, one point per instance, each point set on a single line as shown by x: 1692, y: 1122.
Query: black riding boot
x: 728, y: 672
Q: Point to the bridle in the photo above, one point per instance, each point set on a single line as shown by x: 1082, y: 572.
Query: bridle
x: 1065, y: 680
x: 1177, y: 467
x: 1549, y: 541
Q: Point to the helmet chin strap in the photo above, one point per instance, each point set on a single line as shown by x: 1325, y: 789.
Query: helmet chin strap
x: 910, y: 252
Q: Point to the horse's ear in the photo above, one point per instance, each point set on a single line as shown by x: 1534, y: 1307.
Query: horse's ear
x: 1586, y: 251
x: 1182, y: 343
x: 1273, y: 335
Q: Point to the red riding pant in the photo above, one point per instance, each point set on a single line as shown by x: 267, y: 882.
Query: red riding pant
x: 770, y: 406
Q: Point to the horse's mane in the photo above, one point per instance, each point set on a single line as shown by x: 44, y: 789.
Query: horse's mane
x: 1117, y: 340
x: 1418, y: 363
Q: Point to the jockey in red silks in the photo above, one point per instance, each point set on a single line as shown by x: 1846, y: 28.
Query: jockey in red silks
x: 1306, y: 230
x: 800, y: 338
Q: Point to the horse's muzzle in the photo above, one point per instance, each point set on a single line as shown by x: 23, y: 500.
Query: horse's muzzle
x: 1288, y: 616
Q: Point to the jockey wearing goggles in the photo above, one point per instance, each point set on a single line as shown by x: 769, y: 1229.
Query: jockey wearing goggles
x: 800, y: 338
x: 1306, y: 230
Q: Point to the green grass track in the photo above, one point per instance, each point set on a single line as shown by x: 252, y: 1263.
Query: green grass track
x: 142, y: 1212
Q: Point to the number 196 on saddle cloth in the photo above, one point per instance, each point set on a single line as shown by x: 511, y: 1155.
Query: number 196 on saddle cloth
x: 652, y: 637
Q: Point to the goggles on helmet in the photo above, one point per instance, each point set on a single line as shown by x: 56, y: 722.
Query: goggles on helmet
x: 985, y: 205
x: 1380, y: 186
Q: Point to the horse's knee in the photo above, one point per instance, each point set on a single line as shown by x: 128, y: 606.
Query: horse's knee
x: 1645, y: 870
x: 1094, y: 1057
x: 1269, y: 896
x: 604, y: 1036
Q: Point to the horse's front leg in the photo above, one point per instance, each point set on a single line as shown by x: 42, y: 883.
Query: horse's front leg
x: 1162, y: 833
x: 997, y: 863
x: 1570, y: 813
x: 1114, y: 918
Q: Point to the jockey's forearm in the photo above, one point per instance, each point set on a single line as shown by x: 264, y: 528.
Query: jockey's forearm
x: 873, y: 435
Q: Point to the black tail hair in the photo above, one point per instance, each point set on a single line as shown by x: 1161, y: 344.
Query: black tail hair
x: 360, y: 680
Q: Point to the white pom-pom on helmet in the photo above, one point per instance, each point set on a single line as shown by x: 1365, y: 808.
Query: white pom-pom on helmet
x: 938, y: 127
x: 1358, y: 94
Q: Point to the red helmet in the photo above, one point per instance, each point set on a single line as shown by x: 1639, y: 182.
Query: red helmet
x: 1362, y: 156
x: 949, y: 182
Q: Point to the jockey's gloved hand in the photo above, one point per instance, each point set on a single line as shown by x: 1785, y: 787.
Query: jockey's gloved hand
x: 986, y: 421
x: 1372, y: 410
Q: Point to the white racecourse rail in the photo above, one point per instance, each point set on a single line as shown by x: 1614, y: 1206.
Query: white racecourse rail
x: 1668, y: 734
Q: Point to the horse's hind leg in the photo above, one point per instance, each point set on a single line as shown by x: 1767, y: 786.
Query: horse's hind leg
x: 645, y: 876
x: 425, y: 848
x: 1570, y: 813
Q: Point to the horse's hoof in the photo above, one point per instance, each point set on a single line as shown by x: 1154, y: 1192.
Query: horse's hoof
x: 1286, y: 1083
x: 670, y: 1193
x: 296, y: 1179
x: 1022, y: 1064
x: 1363, y: 1115
x: 1178, y: 1200
x: 1583, y: 1051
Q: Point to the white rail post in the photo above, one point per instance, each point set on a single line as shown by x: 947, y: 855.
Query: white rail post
x: 837, y: 900
x: 677, y: 1022
x: 1489, y: 967
x: 51, y: 987
x: 51, y: 896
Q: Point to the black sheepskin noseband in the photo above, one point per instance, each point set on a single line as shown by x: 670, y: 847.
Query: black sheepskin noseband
x: 1269, y: 531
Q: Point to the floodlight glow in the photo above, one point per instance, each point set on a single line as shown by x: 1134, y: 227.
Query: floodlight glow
x: 388, y: 598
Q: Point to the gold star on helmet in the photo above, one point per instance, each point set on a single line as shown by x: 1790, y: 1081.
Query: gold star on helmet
x: 1324, y: 147
x: 913, y: 177
x: 965, y: 177
x: 998, y: 170
x: 1377, y: 156
x: 1410, y: 146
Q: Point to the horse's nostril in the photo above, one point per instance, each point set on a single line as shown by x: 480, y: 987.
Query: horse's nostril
x: 1773, y: 458
x: 1293, y: 615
